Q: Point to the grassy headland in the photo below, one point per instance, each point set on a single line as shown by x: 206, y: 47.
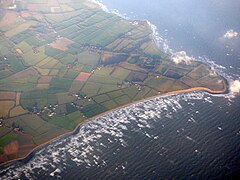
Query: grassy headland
x: 65, y: 62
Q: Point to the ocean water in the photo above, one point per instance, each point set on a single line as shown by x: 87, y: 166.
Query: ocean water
x: 186, y: 136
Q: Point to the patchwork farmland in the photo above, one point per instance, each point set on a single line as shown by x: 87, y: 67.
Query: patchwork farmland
x: 63, y: 62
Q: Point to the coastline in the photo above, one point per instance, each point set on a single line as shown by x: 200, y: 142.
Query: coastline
x: 33, y: 151
x: 154, y: 35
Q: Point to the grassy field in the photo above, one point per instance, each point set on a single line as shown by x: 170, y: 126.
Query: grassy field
x: 37, y: 98
x: 64, y: 98
x: 160, y: 84
x: 17, y: 111
x: 109, y: 104
x: 32, y: 125
x: 101, y: 98
x: 5, y: 107
x: 88, y: 58
x: 6, y: 139
x: 32, y: 58
x: 68, y: 122
x: 91, y: 88
x: 20, y: 28
x: 143, y: 93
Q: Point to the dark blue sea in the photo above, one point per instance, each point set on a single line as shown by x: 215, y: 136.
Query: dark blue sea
x: 185, y: 136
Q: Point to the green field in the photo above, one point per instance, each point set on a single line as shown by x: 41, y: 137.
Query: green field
x: 68, y: 122
x: 4, y: 140
x: 88, y: 58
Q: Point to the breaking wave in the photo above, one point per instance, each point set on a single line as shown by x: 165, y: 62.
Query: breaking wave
x: 86, y: 145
